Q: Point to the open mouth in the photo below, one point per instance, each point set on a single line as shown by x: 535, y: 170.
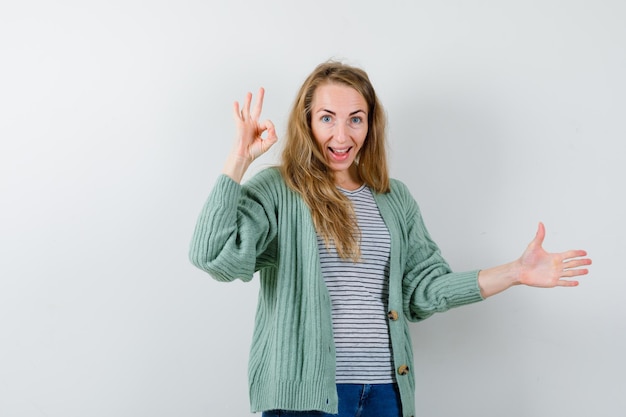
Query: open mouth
x: 340, y: 154
x: 340, y: 151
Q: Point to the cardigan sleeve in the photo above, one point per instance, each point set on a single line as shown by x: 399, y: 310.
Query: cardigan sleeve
x: 234, y: 232
x: 429, y: 285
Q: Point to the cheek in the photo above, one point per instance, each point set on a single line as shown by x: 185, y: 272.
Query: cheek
x: 362, y: 139
x: 317, y: 136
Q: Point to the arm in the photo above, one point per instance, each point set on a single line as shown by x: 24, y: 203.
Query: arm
x: 535, y: 268
x: 234, y: 232
x: 235, y: 228
x: 429, y: 285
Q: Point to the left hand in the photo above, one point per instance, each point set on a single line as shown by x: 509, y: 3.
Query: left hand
x: 539, y: 268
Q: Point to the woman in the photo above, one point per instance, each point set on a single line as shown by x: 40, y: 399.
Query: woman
x: 344, y: 258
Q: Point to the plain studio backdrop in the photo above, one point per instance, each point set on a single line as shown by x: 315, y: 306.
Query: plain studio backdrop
x: 115, y: 120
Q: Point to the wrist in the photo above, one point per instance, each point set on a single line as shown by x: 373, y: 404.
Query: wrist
x: 497, y: 279
x: 515, y: 275
x: 236, y: 166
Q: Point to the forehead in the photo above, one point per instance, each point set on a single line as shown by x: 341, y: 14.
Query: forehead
x: 338, y: 96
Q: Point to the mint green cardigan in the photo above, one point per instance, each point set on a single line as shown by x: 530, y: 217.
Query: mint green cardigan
x: 265, y: 226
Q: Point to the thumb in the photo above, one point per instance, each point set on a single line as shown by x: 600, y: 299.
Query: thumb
x: 540, y: 236
x: 271, y: 137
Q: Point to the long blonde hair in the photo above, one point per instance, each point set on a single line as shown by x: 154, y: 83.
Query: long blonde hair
x: 305, y: 169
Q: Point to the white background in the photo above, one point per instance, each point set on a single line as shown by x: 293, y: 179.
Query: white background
x: 115, y: 118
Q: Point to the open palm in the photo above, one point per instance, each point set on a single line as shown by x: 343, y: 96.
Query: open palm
x: 543, y: 269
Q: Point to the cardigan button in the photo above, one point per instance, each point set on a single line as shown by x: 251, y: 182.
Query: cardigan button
x: 393, y: 315
x: 403, y: 369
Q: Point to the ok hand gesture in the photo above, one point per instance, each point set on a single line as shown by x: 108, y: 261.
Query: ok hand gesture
x: 249, y: 142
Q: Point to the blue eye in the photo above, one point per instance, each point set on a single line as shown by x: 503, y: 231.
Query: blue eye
x: 326, y: 119
x: 356, y: 120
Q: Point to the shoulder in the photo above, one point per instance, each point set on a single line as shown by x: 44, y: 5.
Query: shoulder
x: 399, y: 200
x: 268, y: 177
x: 398, y: 190
x: 269, y: 186
x: 398, y: 187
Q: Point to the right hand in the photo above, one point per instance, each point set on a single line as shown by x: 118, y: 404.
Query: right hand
x: 249, y: 143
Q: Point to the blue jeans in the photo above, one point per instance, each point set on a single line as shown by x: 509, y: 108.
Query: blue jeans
x: 356, y: 400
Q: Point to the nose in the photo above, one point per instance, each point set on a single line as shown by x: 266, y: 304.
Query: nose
x: 341, y: 132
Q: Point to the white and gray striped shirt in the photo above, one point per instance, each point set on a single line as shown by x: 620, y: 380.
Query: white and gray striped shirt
x: 359, y: 293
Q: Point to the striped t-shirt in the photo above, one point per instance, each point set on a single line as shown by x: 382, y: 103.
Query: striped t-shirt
x: 359, y: 293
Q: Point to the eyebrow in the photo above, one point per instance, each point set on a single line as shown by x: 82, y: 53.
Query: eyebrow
x: 334, y: 114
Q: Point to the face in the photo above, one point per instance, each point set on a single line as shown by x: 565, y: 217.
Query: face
x: 339, y: 126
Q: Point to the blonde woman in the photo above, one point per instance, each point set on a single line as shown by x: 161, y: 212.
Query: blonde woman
x: 345, y: 260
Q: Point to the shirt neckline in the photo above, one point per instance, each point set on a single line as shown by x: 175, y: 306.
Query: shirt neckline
x: 358, y: 190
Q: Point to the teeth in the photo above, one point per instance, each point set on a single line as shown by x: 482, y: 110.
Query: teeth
x: 339, y: 150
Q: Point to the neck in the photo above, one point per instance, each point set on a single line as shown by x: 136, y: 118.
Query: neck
x: 348, y: 180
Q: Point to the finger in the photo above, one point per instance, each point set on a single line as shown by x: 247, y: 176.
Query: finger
x: 258, y: 106
x: 574, y: 272
x: 236, y: 112
x: 568, y: 273
x: 572, y: 254
x: 268, y: 126
x: 575, y: 263
x: 245, y: 112
x: 567, y: 283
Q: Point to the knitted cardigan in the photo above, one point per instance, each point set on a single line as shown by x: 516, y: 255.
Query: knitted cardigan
x: 265, y: 226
